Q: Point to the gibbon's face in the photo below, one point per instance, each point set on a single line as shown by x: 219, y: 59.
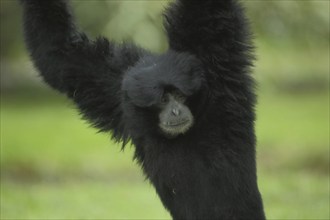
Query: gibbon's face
x: 163, y: 84
x: 175, y: 117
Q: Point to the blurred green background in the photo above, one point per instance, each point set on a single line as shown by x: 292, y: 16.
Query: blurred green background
x: 54, y: 166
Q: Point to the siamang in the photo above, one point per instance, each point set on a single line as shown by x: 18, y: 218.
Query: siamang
x: 189, y: 112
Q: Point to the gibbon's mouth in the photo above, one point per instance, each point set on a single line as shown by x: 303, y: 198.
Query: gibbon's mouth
x: 172, y: 130
x: 175, y: 124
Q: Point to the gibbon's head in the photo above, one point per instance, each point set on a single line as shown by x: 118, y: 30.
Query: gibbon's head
x: 164, y: 86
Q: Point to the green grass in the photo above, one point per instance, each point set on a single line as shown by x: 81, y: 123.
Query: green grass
x: 54, y: 166
x: 293, y: 155
x: 117, y: 199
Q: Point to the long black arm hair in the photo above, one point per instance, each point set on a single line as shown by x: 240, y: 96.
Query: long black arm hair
x: 89, y: 72
x: 217, y: 33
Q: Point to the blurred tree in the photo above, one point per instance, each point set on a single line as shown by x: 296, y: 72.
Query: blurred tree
x: 93, y: 16
x: 11, y: 44
x: 293, y: 26
x: 141, y: 21
x: 298, y: 22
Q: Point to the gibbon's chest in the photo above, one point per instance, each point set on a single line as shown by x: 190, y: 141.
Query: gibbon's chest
x: 172, y: 161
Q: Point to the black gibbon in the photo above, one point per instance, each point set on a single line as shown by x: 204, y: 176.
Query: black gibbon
x: 189, y: 112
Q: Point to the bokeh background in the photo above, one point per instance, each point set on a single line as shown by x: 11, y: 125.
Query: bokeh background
x: 55, y: 166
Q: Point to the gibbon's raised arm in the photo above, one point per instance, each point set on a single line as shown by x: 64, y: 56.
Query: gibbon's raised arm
x: 89, y: 72
x: 215, y: 31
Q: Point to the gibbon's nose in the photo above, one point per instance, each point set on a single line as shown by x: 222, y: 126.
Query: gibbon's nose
x: 175, y: 112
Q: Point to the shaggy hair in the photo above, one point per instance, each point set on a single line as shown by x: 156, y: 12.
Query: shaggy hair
x: 209, y: 172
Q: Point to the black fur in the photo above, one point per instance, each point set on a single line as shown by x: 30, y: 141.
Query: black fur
x: 208, y: 172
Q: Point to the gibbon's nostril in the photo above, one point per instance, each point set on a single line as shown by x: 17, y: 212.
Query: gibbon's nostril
x: 176, y: 112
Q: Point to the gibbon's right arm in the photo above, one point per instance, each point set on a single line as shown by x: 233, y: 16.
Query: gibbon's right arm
x: 89, y: 72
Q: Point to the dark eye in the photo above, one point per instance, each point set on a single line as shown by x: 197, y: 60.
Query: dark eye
x: 164, y: 99
x: 180, y: 96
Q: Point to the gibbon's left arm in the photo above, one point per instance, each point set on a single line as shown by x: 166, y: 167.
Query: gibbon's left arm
x: 217, y: 33
x: 89, y: 72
